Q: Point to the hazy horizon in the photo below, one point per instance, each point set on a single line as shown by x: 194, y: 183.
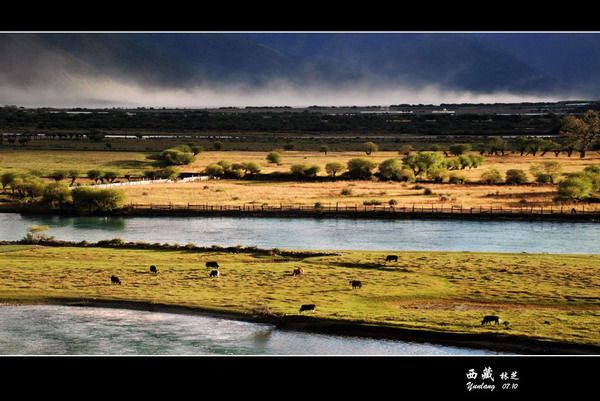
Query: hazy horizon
x: 296, y: 70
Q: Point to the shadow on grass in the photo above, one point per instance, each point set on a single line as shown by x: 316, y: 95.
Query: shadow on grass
x: 374, y: 266
x: 130, y: 164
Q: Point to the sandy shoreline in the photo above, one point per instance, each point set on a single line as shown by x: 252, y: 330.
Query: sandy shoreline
x: 492, y: 341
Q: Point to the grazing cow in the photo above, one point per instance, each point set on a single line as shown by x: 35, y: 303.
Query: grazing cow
x: 489, y: 319
x: 153, y: 269
x: 391, y: 258
x: 214, y: 273
x: 298, y: 271
x: 306, y: 307
x: 212, y: 264
x: 115, y: 280
x: 355, y: 284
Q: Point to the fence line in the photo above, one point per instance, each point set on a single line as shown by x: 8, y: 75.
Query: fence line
x: 147, y: 182
x: 346, y: 209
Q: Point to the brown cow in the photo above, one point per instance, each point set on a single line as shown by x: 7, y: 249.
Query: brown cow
x: 298, y: 271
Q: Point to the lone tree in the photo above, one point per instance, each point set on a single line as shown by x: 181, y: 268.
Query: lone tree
x: 324, y: 149
x: 59, y: 175
x: 95, y: 175
x: 218, y: 145
x: 422, y: 162
x: 585, y: 130
x: 333, y: 168
x: 111, y: 176
x: 370, y: 147
x: 73, y: 174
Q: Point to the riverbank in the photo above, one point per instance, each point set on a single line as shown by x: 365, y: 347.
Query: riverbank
x: 488, y: 213
x: 494, y: 342
x: 548, y: 300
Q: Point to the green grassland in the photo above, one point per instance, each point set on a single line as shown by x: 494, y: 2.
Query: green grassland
x: 47, y: 161
x: 551, y: 297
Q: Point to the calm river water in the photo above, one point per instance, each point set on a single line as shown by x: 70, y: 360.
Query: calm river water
x: 306, y: 233
x: 63, y: 330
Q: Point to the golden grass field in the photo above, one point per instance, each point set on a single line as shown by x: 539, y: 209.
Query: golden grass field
x: 237, y: 192
x: 552, y: 297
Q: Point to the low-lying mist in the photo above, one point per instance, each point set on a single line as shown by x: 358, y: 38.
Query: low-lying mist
x: 108, y: 92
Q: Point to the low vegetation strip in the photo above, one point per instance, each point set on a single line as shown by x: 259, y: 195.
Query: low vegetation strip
x: 535, y: 296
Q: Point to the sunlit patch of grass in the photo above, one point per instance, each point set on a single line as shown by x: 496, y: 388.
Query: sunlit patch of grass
x: 542, y: 296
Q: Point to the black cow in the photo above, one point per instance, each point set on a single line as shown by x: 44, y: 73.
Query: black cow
x: 212, y: 264
x: 391, y: 258
x: 298, y: 271
x: 115, y: 280
x: 214, y: 273
x: 355, y: 284
x: 153, y: 269
x: 489, y: 319
x: 306, y: 307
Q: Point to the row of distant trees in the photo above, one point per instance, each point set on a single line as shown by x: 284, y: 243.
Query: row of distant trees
x: 577, y: 134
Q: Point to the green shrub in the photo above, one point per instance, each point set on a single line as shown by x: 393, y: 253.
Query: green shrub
x: 491, y: 177
x: 516, y: 176
x: 218, y: 145
x: 57, y: 194
x: 251, y: 168
x: 177, y: 156
x: 437, y: 174
x: 546, y: 172
x: 8, y: 180
x: 168, y: 173
x: 459, y: 148
x: 393, y: 202
x: 97, y: 200
x: 274, y: 157
x: 427, y: 191
x: 372, y: 202
x: 346, y: 191
x: 360, y: 168
x: 574, y: 188
x: 456, y: 178
x: 214, y: 170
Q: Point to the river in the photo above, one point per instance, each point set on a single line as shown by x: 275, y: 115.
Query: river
x: 63, y: 330
x: 314, y: 233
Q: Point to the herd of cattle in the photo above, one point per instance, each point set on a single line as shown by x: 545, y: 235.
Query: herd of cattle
x: 300, y: 271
